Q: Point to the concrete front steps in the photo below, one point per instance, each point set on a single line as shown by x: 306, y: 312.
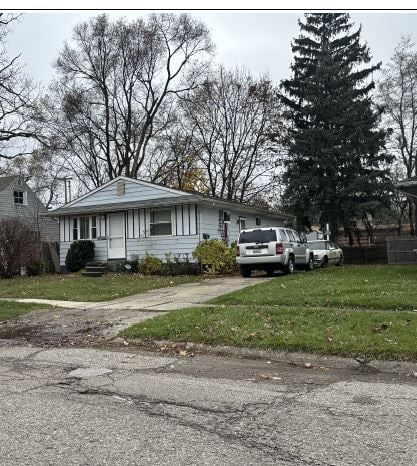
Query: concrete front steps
x: 95, y: 269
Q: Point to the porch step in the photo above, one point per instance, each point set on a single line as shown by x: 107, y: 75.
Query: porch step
x: 91, y: 274
x: 95, y: 269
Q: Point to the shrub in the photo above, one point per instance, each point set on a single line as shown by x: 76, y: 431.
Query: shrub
x: 19, y: 246
x: 175, y: 265
x: 79, y: 253
x: 38, y: 267
x: 150, y: 265
x: 123, y: 266
x: 215, y: 257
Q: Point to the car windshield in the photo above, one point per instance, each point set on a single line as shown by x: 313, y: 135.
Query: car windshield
x: 257, y: 236
x: 317, y: 245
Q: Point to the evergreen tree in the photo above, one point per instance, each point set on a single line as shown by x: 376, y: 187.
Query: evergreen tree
x: 336, y: 168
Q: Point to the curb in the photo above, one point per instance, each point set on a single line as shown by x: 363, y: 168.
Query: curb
x: 292, y: 358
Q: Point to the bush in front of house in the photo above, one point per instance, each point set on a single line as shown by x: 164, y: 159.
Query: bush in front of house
x: 175, y: 265
x: 150, y: 265
x: 216, y: 257
x: 38, y: 267
x: 123, y: 266
x: 19, y: 246
x: 79, y: 253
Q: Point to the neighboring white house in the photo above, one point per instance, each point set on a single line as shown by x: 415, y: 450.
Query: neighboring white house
x: 128, y: 218
x: 18, y: 200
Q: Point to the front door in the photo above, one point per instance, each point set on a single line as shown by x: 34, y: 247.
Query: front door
x: 116, y: 236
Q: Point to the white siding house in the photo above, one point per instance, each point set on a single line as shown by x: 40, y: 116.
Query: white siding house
x: 128, y: 218
x: 17, y: 200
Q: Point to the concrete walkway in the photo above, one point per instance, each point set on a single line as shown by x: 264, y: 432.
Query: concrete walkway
x: 162, y: 299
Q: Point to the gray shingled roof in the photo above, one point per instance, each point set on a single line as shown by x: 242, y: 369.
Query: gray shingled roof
x: 408, y: 186
x: 186, y: 199
x: 6, y: 180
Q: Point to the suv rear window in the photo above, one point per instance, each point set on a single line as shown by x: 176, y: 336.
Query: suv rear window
x: 257, y: 236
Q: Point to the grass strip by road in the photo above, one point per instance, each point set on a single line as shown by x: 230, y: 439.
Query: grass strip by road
x: 379, y: 334
x: 389, y: 287
x: 75, y: 287
x: 10, y: 310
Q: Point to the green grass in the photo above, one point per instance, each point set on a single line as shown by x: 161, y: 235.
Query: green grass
x: 74, y: 287
x: 9, y: 309
x: 367, y: 287
x: 345, y: 311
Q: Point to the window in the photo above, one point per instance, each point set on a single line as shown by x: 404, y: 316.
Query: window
x: 242, y: 223
x: 75, y: 228
x: 84, y: 228
x: 19, y: 197
x: 257, y: 236
x: 283, y: 235
x: 290, y: 235
x: 226, y: 217
x: 93, y: 234
x: 161, y: 222
x: 258, y: 221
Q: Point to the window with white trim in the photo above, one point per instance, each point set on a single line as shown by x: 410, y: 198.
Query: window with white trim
x: 161, y: 223
x: 258, y: 221
x: 84, y: 227
x: 242, y: 223
x: 19, y: 197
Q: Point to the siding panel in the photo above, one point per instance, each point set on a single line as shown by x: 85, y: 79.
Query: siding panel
x: 133, y: 192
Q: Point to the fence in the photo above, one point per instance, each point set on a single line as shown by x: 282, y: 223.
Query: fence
x: 402, y: 250
x: 376, y: 254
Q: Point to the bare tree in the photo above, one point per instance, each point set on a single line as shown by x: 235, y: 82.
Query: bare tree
x: 236, y: 131
x: 398, y: 95
x: 116, y: 84
x: 173, y: 161
x: 19, y: 129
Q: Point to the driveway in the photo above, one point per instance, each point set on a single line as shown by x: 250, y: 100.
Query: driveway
x: 87, y: 323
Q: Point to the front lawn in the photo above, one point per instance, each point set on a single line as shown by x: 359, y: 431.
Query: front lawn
x: 368, y: 287
x: 347, y: 311
x: 9, y: 309
x: 75, y: 287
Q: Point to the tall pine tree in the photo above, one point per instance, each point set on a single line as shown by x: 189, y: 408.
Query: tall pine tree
x: 336, y: 167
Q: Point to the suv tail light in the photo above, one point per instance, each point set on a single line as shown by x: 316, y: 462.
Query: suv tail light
x: 279, y: 248
x: 238, y: 251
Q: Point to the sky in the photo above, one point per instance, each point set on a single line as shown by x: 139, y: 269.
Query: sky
x: 258, y: 41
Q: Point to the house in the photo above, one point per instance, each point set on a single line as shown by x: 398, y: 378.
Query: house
x: 18, y: 200
x: 409, y: 187
x: 128, y: 218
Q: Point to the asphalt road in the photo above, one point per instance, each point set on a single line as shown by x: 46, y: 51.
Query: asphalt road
x: 67, y: 406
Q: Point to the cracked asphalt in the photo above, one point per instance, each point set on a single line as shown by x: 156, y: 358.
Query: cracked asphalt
x: 89, y: 406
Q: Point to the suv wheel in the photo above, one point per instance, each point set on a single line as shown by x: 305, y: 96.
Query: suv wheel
x: 246, y: 272
x: 310, y: 263
x: 290, y: 267
x: 325, y: 262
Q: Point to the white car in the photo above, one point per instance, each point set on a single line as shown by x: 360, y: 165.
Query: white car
x: 325, y: 253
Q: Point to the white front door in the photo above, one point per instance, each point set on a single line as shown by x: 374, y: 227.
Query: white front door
x: 116, y: 236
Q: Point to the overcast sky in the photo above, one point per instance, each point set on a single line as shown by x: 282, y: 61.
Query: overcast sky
x: 257, y: 41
